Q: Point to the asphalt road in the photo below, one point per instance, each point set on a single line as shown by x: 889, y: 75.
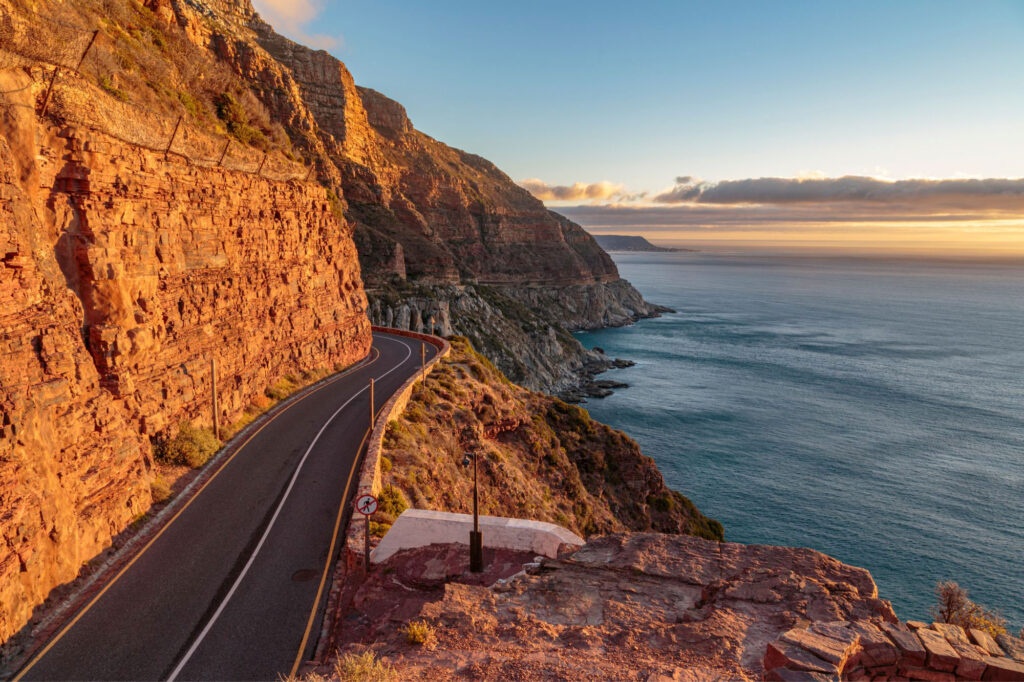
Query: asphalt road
x: 237, y: 583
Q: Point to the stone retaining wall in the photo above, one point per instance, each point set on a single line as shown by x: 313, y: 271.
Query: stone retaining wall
x: 863, y: 650
x: 349, y: 564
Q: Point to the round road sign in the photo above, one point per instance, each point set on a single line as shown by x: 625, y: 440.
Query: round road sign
x: 366, y: 504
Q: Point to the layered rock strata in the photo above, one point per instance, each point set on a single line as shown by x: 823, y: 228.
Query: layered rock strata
x: 859, y: 650
x: 123, y: 275
x: 634, y: 606
x: 424, y: 211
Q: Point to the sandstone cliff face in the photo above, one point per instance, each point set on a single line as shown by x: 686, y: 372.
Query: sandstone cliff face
x: 123, y: 274
x: 423, y: 211
x: 540, y: 458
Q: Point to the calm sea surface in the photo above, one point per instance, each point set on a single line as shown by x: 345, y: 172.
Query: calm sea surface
x: 870, y: 409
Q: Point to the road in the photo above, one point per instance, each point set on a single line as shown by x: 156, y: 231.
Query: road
x: 234, y: 587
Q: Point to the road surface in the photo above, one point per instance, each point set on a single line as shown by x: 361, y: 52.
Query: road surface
x: 234, y: 587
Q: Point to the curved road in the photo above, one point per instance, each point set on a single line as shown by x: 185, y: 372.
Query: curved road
x: 234, y: 586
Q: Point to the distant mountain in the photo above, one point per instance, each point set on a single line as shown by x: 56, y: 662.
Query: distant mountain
x: 621, y: 242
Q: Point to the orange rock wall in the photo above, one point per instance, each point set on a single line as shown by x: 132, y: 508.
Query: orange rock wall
x: 122, y: 275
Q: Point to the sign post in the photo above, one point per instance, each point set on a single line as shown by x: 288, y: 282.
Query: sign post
x: 366, y: 505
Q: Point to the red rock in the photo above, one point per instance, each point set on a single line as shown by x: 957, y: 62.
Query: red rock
x: 971, y: 665
x: 200, y: 271
x: 1003, y: 669
x: 782, y: 654
x: 878, y: 650
x: 916, y: 624
x: 941, y: 656
x: 983, y: 639
x: 1013, y: 646
x: 911, y: 649
x: 927, y: 674
x: 787, y: 675
x: 834, y: 651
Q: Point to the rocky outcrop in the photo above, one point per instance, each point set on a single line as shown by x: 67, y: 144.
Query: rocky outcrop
x: 860, y: 650
x: 540, y: 458
x: 123, y: 275
x: 636, y: 606
x: 423, y: 211
x: 529, y: 345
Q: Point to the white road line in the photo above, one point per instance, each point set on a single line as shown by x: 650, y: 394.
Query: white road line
x: 248, y: 564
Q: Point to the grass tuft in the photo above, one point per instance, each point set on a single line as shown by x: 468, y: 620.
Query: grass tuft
x: 192, y: 446
x: 420, y: 633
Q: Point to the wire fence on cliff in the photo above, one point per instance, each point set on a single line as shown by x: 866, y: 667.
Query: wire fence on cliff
x: 55, y: 49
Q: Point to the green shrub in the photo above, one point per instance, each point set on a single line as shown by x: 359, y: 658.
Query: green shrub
x: 237, y: 121
x: 385, y: 464
x: 191, y: 104
x: 391, y: 501
x: 108, y: 86
x: 364, y: 667
x: 192, y: 446
x: 421, y: 633
x: 160, y: 489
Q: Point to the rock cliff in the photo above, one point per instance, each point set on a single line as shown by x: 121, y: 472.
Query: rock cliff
x: 423, y: 211
x: 541, y: 458
x: 124, y: 273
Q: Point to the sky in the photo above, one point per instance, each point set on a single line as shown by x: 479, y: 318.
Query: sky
x: 890, y: 125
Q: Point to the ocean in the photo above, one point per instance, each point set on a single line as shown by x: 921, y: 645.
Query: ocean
x: 872, y: 409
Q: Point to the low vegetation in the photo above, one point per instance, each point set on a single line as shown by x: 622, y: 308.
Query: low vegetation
x: 955, y: 606
x: 364, y: 667
x: 192, y: 446
x: 540, y: 458
x: 420, y: 633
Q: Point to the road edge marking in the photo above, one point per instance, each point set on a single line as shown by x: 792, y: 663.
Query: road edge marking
x: 334, y: 538
x: 78, y: 616
x: 270, y: 525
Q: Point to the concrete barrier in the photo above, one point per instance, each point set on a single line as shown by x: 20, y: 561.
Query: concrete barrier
x: 422, y: 527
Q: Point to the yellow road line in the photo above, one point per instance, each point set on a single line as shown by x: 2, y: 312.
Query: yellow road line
x: 167, y: 525
x: 330, y: 552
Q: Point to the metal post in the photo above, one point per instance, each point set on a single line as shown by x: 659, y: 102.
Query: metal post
x: 224, y: 151
x: 423, y: 361
x: 309, y: 172
x: 371, y: 404
x: 366, y: 546
x: 260, y: 169
x: 87, y: 48
x: 173, y: 135
x: 476, y: 549
x: 49, y: 89
x: 213, y: 390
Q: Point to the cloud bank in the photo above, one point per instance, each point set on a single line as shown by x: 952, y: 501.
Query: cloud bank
x: 291, y: 16
x: 1003, y: 194
x: 580, y: 191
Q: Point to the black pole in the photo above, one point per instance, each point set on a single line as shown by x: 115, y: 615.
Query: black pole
x: 476, y: 548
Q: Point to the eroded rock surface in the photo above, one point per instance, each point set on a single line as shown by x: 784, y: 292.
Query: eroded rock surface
x: 123, y: 274
x: 641, y: 606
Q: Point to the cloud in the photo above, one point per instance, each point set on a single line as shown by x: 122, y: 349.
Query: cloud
x: 580, y: 191
x: 291, y: 16
x: 920, y: 195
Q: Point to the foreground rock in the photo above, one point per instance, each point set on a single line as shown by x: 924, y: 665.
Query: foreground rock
x: 636, y: 606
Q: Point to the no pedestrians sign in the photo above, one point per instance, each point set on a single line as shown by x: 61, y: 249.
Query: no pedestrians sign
x: 366, y: 504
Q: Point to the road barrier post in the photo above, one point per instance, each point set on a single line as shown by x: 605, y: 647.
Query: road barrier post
x: 49, y: 90
x: 213, y: 390
x: 423, y: 361
x: 173, y: 135
x: 224, y: 151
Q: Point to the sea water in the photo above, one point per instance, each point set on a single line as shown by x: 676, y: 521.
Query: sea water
x: 869, y: 409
